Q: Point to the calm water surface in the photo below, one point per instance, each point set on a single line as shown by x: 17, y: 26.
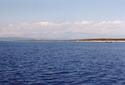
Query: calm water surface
x: 62, y: 63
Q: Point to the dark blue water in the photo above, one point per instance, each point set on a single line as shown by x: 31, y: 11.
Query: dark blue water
x: 62, y: 63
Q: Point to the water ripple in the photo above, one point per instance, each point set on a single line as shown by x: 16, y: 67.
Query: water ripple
x: 62, y: 63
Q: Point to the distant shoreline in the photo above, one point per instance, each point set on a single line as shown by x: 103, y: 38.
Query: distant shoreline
x: 102, y: 40
x: 72, y: 40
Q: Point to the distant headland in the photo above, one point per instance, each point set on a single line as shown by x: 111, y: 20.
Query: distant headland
x: 102, y: 40
x: 72, y: 40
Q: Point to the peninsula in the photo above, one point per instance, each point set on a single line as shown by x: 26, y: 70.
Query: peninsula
x: 72, y: 40
x: 102, y: 40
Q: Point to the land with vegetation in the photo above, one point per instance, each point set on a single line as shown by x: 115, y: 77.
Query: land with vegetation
x: 102, y: 40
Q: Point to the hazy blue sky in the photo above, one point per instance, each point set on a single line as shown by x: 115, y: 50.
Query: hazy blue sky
x: 61, y: 10
x: 83, y: 16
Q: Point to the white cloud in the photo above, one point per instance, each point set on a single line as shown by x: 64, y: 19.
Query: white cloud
x: 63, y: 30
x: 44, y: 23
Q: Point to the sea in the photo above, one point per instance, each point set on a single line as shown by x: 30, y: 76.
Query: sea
x: 62, y: 63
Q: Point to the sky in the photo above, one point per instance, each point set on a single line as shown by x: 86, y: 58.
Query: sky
x: 62, y: 19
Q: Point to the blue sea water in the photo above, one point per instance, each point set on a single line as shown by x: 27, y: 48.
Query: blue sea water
x: 62, y: 63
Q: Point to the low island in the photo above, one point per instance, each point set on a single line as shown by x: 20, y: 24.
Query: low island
x: 102, y: 40
x: 69, y: 40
